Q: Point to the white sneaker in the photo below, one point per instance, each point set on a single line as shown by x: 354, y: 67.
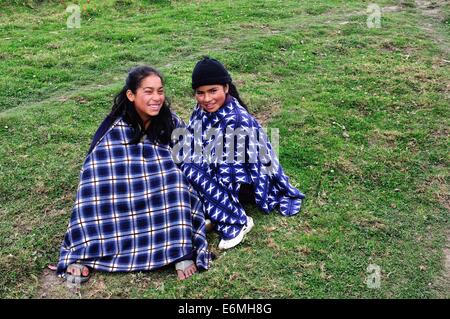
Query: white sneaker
x: 230, y: 243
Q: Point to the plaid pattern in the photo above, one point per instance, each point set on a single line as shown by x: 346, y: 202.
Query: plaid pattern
x: 218, y: 182
x: 134, y: 209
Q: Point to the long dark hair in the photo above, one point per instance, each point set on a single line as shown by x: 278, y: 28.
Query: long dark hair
x: 161, y: 125
x: 234, y: 93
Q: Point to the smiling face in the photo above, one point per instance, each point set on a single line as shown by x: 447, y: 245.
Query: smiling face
x: 211, y: 97
x: 148, y: 98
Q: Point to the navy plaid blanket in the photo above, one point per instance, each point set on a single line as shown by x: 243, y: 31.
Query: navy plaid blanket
x: 134, y: 209
x: 218, y: 180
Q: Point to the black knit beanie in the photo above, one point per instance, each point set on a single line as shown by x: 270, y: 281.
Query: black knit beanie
x: 208, y: 72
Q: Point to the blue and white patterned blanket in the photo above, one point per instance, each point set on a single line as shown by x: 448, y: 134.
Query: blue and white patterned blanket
x: 217, y: 177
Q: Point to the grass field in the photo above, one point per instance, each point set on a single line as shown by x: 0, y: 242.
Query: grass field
x: 363, y: 120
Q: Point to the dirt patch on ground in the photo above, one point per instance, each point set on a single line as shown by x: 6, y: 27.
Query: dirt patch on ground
x: 384, y: 138
x: 391, y: 9
x: 267, y: 113
x: 53, y: 287
x: 432, y: 10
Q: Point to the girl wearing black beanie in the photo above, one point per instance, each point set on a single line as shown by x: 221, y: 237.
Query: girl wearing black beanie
x: 224, y: 176
x: 210, y: 72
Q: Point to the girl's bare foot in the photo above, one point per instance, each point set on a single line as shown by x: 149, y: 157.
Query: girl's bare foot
x: 52, y: 267
x: 185, y: 269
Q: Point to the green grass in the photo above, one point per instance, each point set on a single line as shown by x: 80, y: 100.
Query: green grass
x: 363, y: 119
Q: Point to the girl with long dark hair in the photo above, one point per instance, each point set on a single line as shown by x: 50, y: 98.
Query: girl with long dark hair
x: 134, y: 209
